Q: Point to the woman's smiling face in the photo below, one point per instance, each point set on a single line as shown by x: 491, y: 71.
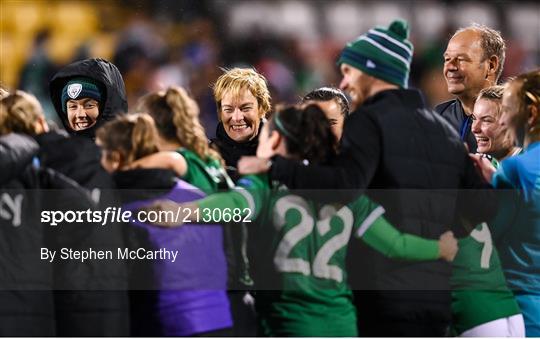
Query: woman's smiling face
x: 240, y: 115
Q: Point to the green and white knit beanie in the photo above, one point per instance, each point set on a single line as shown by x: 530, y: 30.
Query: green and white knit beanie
x: 80, y: 88
x: 383, y: 53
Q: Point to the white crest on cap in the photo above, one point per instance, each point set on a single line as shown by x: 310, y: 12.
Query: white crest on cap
x: 370, y: 64
x: 74, y: 90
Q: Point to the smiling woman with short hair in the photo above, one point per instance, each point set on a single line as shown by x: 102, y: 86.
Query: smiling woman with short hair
x: 243, y: 101
x: 491, y: 138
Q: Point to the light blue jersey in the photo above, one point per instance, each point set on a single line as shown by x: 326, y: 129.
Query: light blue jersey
x: 516, y: 231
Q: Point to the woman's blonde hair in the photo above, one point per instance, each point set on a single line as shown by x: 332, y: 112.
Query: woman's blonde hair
x: 134, y: 136
x: 176, y: 116
x: 19, y: 112
x: 236, y: 80
x: 493, y: 94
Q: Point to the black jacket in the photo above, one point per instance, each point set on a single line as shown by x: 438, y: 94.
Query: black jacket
x: 453, y: 112
x: 413, y: 163
x: 87, y: 311
x: 231, y: 150
x: 110, y: 80
x: 144, y: 184
x: 16, y: 152
x: 76, y: 157
x: 83, y: 309
x: 26, y: 310
x: 27, y: 283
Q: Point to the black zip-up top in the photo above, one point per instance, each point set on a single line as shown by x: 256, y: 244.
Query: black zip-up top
x: 231, y: 150
x: 413, y: 163
x: 453, y: 112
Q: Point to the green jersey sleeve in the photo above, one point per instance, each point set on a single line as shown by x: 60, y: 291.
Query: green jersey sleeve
x: 373, y: 229
x: 251, y: 193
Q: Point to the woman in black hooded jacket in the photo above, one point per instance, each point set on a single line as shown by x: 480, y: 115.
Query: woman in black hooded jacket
x: 82, y: 154
x: 102, y: 312
x: 84, y: 312
x: 27, y: 300
x: 108, y: 79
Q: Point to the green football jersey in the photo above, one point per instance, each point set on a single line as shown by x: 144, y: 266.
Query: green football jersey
x: 479, y: 290
x: 205, y: 174
x: 301, y: 246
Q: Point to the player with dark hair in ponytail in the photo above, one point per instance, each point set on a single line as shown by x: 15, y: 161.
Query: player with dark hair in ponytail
x: 300, y: 276
x: 307, y: 133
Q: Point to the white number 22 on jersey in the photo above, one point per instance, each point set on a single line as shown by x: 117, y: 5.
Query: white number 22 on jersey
x: 320, y: 267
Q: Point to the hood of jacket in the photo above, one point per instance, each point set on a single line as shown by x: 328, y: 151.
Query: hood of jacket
x: 111, y: 82
x: 16, y: 153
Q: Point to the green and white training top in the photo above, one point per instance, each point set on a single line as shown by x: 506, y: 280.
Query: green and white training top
x: 479, y: 290
x: 480, y: 293
x: 205, y: 174
x: 299, y: 269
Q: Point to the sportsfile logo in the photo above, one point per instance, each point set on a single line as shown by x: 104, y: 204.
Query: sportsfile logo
x: 176, y: 215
